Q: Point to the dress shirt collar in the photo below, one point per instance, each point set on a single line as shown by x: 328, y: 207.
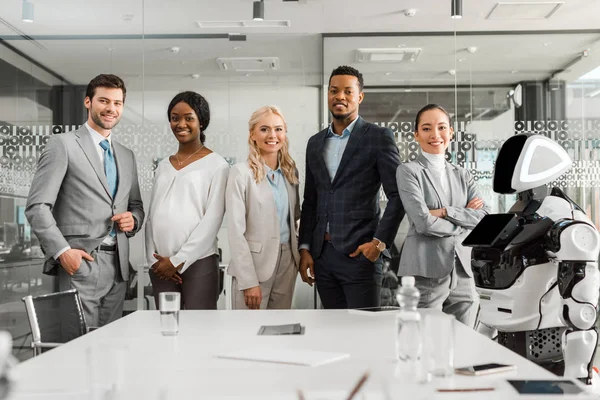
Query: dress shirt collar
x: 346, y: 132
x: 271, y: 172
x: 96, y: 136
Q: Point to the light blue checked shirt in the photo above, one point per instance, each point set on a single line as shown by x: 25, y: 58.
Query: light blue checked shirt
x: 334, y: 148
x: 277, y: 183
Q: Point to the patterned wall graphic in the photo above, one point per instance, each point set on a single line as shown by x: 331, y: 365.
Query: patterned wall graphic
x: 21, y: 146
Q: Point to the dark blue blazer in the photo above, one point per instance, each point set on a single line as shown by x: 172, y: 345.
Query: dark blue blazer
x: 350, y: 203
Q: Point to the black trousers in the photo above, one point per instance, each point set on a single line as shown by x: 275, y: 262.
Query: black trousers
x: 346, y: 282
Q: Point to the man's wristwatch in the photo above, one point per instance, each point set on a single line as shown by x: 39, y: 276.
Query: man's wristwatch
x: 379, y: 244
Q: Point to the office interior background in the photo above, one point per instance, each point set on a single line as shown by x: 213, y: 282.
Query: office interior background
x: 505, y: 67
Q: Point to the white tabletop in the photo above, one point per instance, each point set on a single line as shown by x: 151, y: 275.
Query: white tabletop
x: 185, y: 366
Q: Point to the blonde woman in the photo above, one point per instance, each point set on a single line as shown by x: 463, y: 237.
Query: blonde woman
x: 262, y: 202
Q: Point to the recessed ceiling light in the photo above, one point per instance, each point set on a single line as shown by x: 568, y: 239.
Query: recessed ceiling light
x: 237, y: 47
x: 388, y: 73
x: 514, y: 71
x: 408, y: 90
x: 401, y: 45
x: 547, y: 44
x: 110, y: 48
x: 246, y: 74
x: 462, y: 59
x: 195, y: 76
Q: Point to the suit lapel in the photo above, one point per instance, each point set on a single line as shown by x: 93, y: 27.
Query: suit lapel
x: 360, y: 128
x: 454, y: 183
x: 321, y: 172
x: 267, y: 202
x: 86, y: 143
x: 434, y: 179
x: 291, y: 202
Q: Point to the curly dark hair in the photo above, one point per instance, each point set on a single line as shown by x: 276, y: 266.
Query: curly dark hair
x: 106, y: 81
x: 346, y: 70
x: 431, y: 107
x: 198, y: 104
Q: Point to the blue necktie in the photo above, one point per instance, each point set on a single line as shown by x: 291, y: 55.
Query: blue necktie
x: 110, y: 170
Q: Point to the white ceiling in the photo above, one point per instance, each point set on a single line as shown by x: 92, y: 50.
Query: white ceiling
x: 85, y: 17
x: 80, y: 60
x: 148, y: 63
x: 498, y: 60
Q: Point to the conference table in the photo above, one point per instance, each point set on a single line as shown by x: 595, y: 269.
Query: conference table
x: 151, y: 366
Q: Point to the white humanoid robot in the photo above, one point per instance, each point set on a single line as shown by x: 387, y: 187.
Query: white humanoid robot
x: 536, y: 267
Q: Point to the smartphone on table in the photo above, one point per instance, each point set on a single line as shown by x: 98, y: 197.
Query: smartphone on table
x: 485, y: 369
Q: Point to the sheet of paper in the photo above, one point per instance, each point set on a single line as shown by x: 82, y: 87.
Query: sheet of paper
x: 308, y: 358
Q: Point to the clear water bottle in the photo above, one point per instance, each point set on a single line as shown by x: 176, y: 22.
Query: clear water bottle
x: 409, y: 343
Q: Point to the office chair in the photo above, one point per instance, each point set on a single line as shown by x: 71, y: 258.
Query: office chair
x: 54, y: 318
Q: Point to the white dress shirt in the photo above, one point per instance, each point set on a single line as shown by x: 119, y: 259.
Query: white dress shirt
x: 186, y: 210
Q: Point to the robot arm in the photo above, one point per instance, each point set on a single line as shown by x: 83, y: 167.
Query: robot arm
x: 575, y: 245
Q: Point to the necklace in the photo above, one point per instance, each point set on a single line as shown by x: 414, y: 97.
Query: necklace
x: 190, y: 156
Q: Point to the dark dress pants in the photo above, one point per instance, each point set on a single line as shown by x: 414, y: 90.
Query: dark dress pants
x: 346, y: 282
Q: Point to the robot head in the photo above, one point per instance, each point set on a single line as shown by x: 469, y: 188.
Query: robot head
x: 527, y: 161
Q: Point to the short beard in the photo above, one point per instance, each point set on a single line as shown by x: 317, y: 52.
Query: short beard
x: 341, y: 117
x: 98, y: 121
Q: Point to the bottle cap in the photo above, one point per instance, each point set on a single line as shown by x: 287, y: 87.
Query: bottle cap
x: 408, y: 281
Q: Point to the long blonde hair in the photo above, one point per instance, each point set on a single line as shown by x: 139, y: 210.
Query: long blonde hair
x: 255, y: 159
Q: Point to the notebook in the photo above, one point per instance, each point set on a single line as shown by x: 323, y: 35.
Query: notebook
x: 309, y: 358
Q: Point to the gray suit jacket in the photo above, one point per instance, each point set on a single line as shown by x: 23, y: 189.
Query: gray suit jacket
x: 253, y: 226
x: 432, y: 242
x: 69, y: 202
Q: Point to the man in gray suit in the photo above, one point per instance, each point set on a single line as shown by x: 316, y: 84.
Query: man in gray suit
x: 85, y: 203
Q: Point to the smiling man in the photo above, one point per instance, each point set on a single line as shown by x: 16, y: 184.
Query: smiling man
x: 84, y: 204
x: 341, y: 235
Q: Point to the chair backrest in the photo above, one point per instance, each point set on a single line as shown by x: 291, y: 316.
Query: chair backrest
x: 55, y: 317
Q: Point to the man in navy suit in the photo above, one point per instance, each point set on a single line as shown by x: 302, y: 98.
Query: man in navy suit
x: 341, y: 234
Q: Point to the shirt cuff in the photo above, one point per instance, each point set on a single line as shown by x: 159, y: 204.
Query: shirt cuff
x: 135, y: 227
x: 176, y: 261
x: 61, y: 251
x: 304, y: 246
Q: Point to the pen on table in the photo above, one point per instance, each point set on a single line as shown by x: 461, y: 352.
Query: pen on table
x: 486, y: 389
x: 358, y: 385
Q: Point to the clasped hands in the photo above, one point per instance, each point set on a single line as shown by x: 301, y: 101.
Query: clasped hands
x: 476, y: 204
x: 165, y: 269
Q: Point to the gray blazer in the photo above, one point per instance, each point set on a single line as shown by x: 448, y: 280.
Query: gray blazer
x: 69, y: 202
x: 253, y: 226
x: 432, y: 242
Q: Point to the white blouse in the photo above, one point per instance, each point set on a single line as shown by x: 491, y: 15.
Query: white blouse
x: 186, y: 210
